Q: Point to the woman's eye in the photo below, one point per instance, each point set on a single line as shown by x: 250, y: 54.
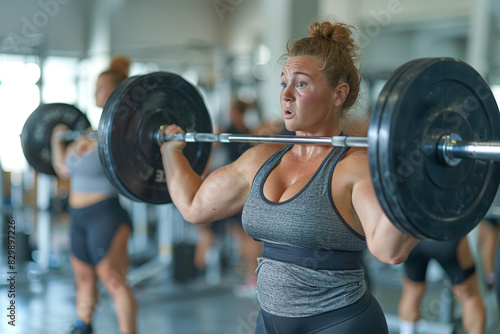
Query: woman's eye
x: 283, y: 85
x: 301, y: 84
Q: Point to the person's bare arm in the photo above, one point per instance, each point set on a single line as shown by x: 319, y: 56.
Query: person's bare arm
x: 59, y: 152
x: 221, y: 194
x: 385, y: 241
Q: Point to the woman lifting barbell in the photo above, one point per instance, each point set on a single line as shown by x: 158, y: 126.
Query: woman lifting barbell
x: 313, y: 206
x: 100, y: 227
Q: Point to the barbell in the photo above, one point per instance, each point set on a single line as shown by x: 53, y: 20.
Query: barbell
x: 433, y: 142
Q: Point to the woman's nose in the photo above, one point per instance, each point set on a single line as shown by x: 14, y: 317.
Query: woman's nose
x: 287, y: 94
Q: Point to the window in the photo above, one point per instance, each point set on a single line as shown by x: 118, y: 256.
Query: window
x: 19, y: 96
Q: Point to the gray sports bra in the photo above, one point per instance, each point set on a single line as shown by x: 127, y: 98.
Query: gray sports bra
x: 87, y: 174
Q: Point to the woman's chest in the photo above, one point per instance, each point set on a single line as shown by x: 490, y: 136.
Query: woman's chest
x: 289, y: 177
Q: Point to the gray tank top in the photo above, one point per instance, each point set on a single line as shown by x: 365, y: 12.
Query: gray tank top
x: 87, y: 175
x: 308, y: 220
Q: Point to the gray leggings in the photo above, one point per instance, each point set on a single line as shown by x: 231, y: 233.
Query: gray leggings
x: 364, y: 316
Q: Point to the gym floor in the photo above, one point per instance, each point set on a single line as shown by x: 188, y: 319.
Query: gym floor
x: 200, y: 305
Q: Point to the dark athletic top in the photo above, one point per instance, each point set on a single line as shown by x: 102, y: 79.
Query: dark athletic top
x: 311, y: 259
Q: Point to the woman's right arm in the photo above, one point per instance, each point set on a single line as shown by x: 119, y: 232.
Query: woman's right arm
x: 221, y: 194
x: 59, y: 152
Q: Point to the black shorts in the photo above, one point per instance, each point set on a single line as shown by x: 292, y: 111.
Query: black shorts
x: 444, y: 252
x: 93, y: 229
x: 364, y: 316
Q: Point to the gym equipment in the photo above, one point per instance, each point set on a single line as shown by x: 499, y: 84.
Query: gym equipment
x: 37, y: 130
x: 433, y: 143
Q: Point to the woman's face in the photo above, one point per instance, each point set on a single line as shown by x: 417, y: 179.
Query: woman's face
x: 104, y: 88
x: 307, y: 103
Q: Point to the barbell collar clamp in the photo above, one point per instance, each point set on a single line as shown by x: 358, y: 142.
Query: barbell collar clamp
x: 444, y: 149
x: 349, y: 141
x: 451, y: 149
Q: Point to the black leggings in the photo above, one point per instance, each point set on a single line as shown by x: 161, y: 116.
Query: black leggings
x: 364, y: 316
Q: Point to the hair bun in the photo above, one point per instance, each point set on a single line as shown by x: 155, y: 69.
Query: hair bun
x: 339, y: 33
x: 120, y: 63
x: 324, y: 29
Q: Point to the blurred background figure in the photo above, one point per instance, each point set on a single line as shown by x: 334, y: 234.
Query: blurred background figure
x: 100, y: 226
x: 488, y: 240
x: 249, y: 249
x: 456, y: 259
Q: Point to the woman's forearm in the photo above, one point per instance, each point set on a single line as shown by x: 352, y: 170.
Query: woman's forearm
x: 182, y: 182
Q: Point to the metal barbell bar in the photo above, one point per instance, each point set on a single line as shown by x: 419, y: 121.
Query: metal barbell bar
x: 72, y: 135
x: 451, y: 149
x: 195, y: 137
x: 192, y: 137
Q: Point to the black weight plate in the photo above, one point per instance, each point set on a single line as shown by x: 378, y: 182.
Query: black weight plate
x: 419, y: 193
x: 374, y: 134
x: 135, y: 110
x: 37, y: 130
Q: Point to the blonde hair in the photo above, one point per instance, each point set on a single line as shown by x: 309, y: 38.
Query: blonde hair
x: 118, y: 68
x: 333, y: 44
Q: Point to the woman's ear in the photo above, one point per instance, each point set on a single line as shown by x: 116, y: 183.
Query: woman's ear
x: 341, y: 92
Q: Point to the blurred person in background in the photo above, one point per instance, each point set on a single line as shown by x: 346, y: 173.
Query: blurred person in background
x: 249, y: 248
x: 489, y: 229
x: 100, y: 226
x: 455, y: 257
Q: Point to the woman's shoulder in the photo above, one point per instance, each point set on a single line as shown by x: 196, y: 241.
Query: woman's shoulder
x: 253, y: 158
x: 355, y: 154
x: 263, y: 151
x: 354, y: 162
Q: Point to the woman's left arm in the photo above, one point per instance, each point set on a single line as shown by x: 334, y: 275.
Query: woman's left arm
x: 385, y: 241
